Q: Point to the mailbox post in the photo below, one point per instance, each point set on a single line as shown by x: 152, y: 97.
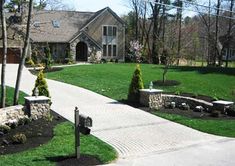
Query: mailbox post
x: 82, y: 122
x: 77, y: 133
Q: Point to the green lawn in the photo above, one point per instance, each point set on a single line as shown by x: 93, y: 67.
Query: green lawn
x: 217, y: 127
x: 62, y: 144
x: 10, y: 94
x: 113, y: 80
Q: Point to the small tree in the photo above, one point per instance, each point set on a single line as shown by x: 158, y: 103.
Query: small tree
x: 48, y: 59
x: 41, y: 84
x: 136, y: 85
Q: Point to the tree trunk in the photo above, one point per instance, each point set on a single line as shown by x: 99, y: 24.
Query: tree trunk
x: 4, y: 55
x: 216, y: 34
x: 229, y: 29
x: 179, y: 21
x: 25, y: 51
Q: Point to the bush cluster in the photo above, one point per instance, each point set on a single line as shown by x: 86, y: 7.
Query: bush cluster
x: 4, y: 128
x: 19, y: 138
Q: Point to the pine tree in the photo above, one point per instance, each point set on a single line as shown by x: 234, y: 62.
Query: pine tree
x: 136, y: 85
x: 41, y: 84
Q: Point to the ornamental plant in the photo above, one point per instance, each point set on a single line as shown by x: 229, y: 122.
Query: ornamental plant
x: 136, y: 85
x: 136, y: 49
x: 48, y: 59
x: 41, y: 84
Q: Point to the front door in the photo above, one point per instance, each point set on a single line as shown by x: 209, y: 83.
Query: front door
x: 81, y: 52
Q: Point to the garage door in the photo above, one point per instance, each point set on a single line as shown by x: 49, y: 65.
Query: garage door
x: 13, y: 55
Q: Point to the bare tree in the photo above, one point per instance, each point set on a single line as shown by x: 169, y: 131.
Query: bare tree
x: 25, y: 51
x: 4, y: 55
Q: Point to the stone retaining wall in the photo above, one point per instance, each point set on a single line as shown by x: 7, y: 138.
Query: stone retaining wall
x: 11, y: 114
x: 158, y: 101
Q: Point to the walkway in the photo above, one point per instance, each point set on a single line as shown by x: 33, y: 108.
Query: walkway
x: 139, y: 137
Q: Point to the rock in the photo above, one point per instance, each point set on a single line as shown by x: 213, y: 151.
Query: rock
x: 1, y: 133
x: 198, y: 109
x: 5, y: 142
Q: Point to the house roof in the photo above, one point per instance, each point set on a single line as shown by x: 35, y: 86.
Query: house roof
x: 69, y: 23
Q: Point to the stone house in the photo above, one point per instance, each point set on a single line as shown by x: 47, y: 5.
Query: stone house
x: 78, y: 35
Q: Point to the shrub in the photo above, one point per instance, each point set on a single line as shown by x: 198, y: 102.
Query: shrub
x: 49, y: 117
x: 136, y: 85
x: 24, y: 121
x: 19, y: 138
x: 5, y: 129
x: 103, y: 60
x: 29, y: 62
x: 41, y: 84
x: 48, y: 59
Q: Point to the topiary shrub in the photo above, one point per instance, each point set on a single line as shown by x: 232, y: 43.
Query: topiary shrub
x: 136, y: 85
x: 19, y: 138
x: 41, y: 84
x: 4, y: 128
x: 29, y: 62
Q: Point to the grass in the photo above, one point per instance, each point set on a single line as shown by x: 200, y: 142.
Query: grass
x: 217, y: 127
x: 9, y: 96
x: 62, y: 144
x: 113, y: 80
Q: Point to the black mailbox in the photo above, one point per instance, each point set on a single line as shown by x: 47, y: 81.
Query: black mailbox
x: 85, y: 121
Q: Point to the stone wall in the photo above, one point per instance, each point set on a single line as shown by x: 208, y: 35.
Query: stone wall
x: 158, y: 101
x: 11, y: 114
x: 35, y: 108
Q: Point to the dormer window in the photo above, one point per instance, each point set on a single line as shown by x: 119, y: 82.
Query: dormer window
x: 37, y: 24
x: 56, y: 23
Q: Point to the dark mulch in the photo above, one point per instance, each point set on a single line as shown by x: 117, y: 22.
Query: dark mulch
x: 166, y: 83
x: 192, y: 114
x: 38, y: 132
x: 73, y: 161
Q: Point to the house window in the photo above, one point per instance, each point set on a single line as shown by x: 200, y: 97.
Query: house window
x: 109, y: 41
x: 114, y: 50
x: 104, y: 50
x: 109, y: 50
x: 114, y: 31
x: 56, y: 23
x: 105, y: 31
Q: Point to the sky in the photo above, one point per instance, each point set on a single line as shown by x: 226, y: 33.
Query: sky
x: 119, y: 6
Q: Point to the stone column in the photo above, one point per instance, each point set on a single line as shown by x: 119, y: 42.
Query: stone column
x: 151, y: 98
x: 37, y: 107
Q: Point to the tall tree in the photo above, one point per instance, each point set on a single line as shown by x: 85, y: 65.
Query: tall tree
x: 216, y: 51
x: 229, y: 28
x: 4, y: 54
x: 25, y: 51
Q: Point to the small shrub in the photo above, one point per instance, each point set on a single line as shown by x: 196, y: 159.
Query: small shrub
x: 136, y: 85
x: 116, y: 60
x: 215, y: 113
x: 24, y: 121
x: 19, y: 138
x: 41, y: 84
x: 5, y: 129
x: 48, y: 59
x: 177, y: 92
x: 49, y: 117
x: 29, y: 62
x: 103, y: 60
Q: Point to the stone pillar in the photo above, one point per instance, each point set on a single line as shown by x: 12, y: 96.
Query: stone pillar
x: 151, y: 98
x: 37, y: 107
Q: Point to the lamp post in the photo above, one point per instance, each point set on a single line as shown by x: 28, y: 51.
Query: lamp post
x: 150, y: 85
x: 36, y: 92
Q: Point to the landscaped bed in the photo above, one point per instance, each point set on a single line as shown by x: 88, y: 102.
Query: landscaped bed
x: 50, y: 141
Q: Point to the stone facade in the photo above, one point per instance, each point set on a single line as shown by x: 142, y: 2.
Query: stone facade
x: 93, y: 49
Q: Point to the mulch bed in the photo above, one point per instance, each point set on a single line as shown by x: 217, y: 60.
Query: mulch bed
x: 192, y: 114
x: 166, y: 83
x: 39, y: 132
